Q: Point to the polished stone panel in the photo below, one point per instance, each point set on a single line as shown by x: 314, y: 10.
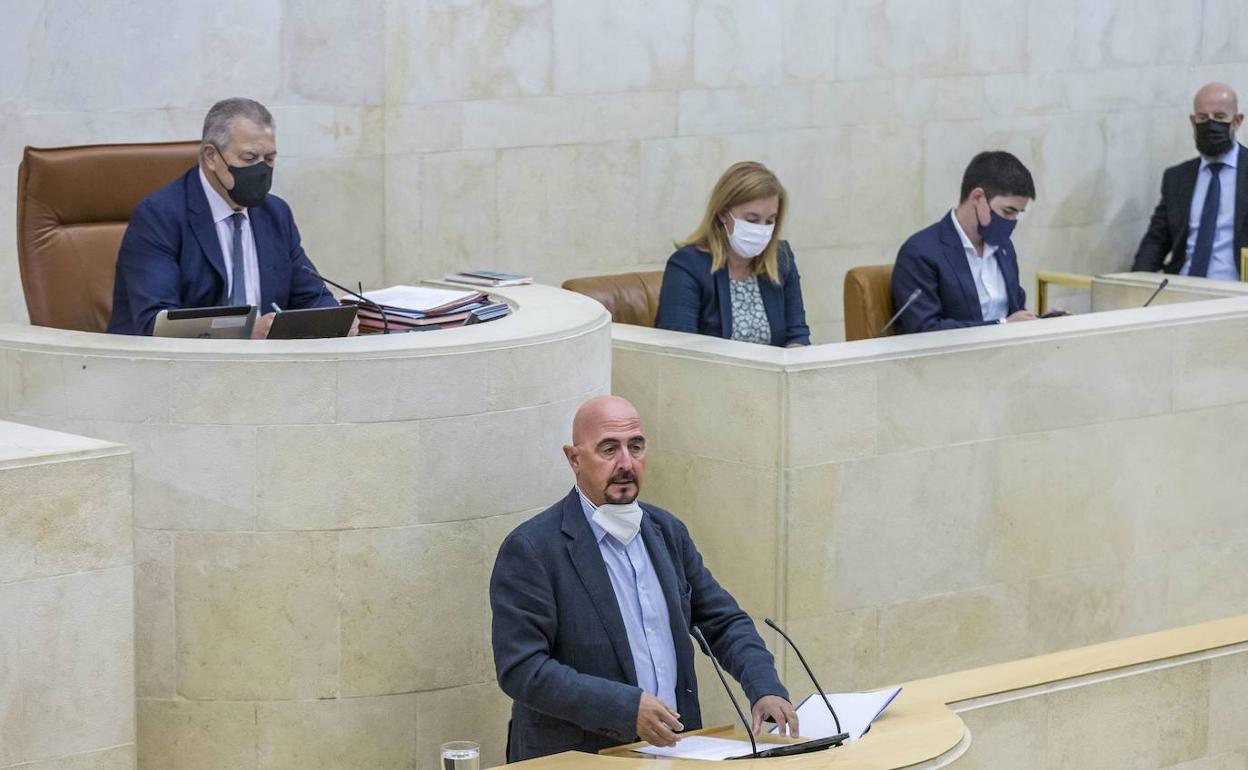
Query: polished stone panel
x: 414, y: 608
x: 257, y: 615
x: 365, y: 733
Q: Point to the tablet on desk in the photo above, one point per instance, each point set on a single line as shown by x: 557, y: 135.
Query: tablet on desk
x: 313, y: 323
x: 231, y: 322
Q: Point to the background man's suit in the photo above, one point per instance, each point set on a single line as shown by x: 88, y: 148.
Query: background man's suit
x: 934, y: 260
x: 560, y: 647
x: 171, y: 258
x: 1168, y: 229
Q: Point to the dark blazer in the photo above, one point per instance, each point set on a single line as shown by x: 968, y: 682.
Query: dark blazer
x: 1164, y: 246
x: 170, y: 258
x: 934, y: 260
x: 560, y: 648
x: 692, y: 299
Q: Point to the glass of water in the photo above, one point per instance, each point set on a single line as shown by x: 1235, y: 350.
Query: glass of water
x: 461, y: 755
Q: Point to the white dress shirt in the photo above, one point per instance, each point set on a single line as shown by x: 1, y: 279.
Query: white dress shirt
x: 221, y: 213
x: 1222, y: 263
x: 994, y: 302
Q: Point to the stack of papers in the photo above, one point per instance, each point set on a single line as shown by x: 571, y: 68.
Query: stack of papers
x: 856, y: 710
x: 701, y: 747
x: 412, y: 307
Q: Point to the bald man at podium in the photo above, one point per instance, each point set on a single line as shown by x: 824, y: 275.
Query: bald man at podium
x: 593, y: 602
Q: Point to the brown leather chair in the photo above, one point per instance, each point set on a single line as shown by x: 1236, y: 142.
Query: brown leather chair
x: 868, y: 301
x: 73, y: 205
x: 631, y: 298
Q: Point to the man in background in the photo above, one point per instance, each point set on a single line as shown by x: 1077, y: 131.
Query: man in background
x: 965, y: 266
x: 215, y: 236
x: 1201, y: 224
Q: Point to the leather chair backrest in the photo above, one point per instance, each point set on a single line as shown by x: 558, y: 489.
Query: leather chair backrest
x: 868, y: 301
x: 631, y: 298
x: 73, y: 205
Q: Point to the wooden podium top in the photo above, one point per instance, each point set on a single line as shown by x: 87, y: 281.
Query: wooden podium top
x: 920, y: 726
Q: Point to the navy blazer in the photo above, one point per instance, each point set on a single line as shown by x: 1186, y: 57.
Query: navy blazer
x: 692, y: 299
x: 1164, y: 246
x: 171, y: 258
x: 934, y: 260
x: 560, y: 647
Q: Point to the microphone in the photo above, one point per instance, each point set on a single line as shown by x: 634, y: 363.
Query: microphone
x: 1164, y: 283
x: 706, y: 648
x: 786, y: 638
x: 905, y: 306
x: 385, y: 322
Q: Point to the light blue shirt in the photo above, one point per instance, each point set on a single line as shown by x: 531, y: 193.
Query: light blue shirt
x: 994, y: 302
x: 1222, y: 263
x: 644, y: 608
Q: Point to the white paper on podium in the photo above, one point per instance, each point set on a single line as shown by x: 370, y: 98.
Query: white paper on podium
x: 856, y: 710
x: 700, y: 747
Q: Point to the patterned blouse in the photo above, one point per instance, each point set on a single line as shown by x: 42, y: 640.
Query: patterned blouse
x: 749, y: 317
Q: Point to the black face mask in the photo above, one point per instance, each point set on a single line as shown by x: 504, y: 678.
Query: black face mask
x: 251, y: 183
x: 1213, y: 138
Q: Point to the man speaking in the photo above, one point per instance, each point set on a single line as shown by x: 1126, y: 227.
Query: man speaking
x: 215, y: 236
x: 593, y: 601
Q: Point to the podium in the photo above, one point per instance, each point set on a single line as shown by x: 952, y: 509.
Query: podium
x: 913, y: 730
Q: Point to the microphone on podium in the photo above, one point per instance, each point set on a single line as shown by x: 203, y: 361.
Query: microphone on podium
x: 706, y: 648
x: 1164, y: 283
x: 784, y: 749
x: 809, y: 672
x: 365, y: 301
x: 904, y: 307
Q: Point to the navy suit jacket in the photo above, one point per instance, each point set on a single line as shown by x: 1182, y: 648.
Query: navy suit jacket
x: 1164, y: 246
x: 170, y: 258
x: 934, y: 260
x: 560, y: 647
x: 692, y: 299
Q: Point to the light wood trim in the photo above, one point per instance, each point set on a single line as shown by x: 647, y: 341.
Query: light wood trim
x: 1046, y: 277
x: 1243, y: 265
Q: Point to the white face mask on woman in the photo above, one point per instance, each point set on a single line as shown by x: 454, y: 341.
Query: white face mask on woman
x: 749, y: 239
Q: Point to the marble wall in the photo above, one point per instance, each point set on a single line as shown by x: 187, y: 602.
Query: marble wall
x: 66, y: 602
x: 424, y: 135
x: 917, y: 505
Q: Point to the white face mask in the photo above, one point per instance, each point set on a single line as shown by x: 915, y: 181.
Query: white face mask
x: 621, y: 522
x: 749, y: 239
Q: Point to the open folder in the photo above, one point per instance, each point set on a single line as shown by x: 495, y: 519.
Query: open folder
x: 856, y: 710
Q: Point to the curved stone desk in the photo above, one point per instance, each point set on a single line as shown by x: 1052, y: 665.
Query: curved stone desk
x: 316, y: 520
x: 915, y: 505
x: 1171, y: 699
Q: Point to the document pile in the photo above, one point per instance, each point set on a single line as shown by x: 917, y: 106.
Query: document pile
x: 489, y: 278
x: 423, y: 308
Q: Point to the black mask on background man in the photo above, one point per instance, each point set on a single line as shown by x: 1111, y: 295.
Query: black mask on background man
x: 251, y: 183
x: 1213, y: 138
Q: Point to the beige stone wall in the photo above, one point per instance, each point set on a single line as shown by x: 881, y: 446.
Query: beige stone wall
x: 574, y: 137
x: 918, y: 505
x: 316, y: 521
x: 1180, y: 715
x: 66, y: 602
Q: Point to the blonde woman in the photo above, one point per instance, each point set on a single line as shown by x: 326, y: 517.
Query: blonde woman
x: 733, y: 277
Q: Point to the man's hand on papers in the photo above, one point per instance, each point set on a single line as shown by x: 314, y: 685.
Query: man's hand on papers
x: 657, y: 723
x: 779, y: 710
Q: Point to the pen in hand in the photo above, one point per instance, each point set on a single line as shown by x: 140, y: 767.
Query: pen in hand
x: 276, y: 309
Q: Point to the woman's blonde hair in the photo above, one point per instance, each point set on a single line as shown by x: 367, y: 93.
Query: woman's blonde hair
x: 741, y: 183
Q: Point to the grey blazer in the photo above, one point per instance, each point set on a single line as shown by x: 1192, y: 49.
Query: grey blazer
x: 560, y: 648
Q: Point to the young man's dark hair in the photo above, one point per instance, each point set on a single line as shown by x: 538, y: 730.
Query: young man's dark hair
x: 997, y: 173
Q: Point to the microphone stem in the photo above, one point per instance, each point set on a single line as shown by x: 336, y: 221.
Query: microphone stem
x: 706, y: 648
x: 385, y: 322
x: 809, y: 671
